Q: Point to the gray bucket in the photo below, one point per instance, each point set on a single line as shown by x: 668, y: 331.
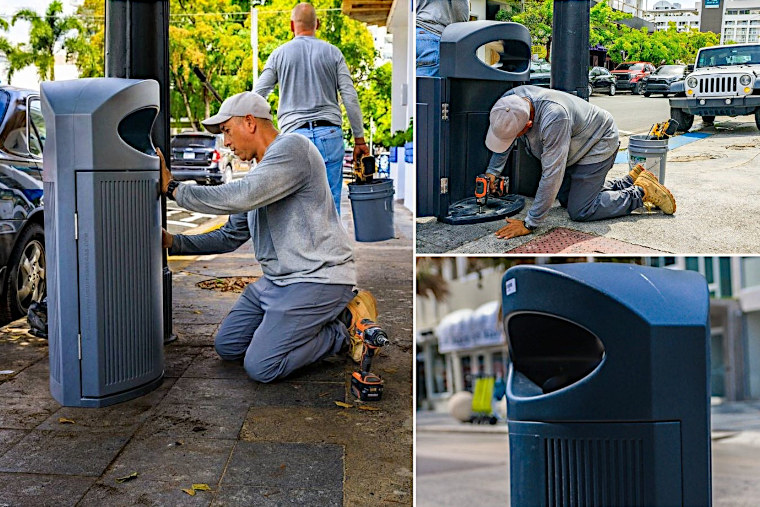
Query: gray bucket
x: 372, y: 207
x: 651, y: 153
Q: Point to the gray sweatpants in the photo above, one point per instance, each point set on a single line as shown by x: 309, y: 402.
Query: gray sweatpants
x: 587, y: 196
x: 278, y: 329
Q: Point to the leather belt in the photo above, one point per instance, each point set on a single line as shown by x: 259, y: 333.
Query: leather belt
x: 317, y: 123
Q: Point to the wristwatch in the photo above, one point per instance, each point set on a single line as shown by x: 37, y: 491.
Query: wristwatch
x: 525, y: 224
x: 173, y: 184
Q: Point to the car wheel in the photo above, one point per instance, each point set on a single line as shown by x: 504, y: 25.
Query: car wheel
x: 757, y: 118
x: 612, y: 90
x: 227, y: 175
x: 637, y: 89
x: 647, y: 94
x: 666, y: 95
x: 685, y: 120
x: 25, y: 283
x: 590, y: 90
x: 708, y: 120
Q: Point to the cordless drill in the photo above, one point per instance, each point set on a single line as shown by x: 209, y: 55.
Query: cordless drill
x: 364, y: 169
x: 482, y: 190
x: 365, y: 385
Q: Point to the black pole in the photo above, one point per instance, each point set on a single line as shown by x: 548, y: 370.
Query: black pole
x: 137, y: 47
x: 570, y: 47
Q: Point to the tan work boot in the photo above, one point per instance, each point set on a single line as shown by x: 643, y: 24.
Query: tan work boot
x: 656, y: 193
x: 363, y: 306
x: 635, y: 171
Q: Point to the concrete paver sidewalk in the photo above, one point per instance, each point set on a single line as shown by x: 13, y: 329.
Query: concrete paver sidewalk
x: 285, y: 443
x: 714, y: 181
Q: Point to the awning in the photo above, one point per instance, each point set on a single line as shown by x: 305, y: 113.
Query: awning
x: 468, y: 329
x: 372, y: 12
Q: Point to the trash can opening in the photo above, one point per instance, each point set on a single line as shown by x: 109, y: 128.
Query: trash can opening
x: 135, y: 129
x: 551, y: 352
x: 506, y: 55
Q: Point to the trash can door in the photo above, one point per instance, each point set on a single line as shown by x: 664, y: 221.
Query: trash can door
x: 120, y: 312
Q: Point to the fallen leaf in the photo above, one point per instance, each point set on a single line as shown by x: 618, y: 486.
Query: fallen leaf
x: 126, y: 478
x: 63, y: 420
x: 322, y: 395
x: 197, y: 312
x: 190, y: 492
x: 198, y: 429
x: 390, y: 371
x: 344, y: 405
x: 201, y: 487
x: 368, y: 407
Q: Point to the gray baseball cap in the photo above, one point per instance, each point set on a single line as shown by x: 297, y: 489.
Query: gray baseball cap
x: 509, y: 116
x: 242, y: 104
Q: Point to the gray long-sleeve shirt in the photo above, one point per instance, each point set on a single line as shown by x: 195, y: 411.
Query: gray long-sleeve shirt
x: 435, y: 15
x: 284, y: 204
x: 310, y: 72
x: 566, y: 131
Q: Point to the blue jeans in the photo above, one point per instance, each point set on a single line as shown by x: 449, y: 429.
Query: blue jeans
x: 276, y: 330
x: 329, y: 142
x: 428, y: 53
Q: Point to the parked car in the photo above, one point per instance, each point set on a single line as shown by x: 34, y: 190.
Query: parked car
x: 540, y: 73
x: 630, y: 74
x: 200, y: 157
x: 660, y: 80
x: 22, y: 237
x: 600, y: 79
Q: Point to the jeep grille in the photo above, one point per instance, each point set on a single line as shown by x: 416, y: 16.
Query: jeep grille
x: 718, y: 86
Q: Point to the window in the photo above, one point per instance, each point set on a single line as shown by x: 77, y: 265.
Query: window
x: 37, y: 132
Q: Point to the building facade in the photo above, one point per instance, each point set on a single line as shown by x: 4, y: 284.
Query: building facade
x: 663, y: 13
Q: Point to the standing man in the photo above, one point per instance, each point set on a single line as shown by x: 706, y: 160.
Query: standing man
x: 577, y: 143
x: 311, y: 72
x: 303, y: 308
x: 432, y: 17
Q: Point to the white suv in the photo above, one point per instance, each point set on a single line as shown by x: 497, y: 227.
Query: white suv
x: 725, y: 82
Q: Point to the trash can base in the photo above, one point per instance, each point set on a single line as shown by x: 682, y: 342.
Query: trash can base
x: 467, y: 210
x: 109, y: 400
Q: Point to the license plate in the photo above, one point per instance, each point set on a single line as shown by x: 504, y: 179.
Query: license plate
x: 189, y: 155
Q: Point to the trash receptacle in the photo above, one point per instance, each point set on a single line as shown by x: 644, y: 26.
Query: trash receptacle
x: 650, y: 153
x: 608, y: 397
x: 372, y: 210
x: 453, y: 117
x: 103, y: 239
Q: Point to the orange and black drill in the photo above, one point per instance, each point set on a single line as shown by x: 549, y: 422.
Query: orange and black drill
x: 482, y: 189
x: 365, y: 385
x: 364, y: 169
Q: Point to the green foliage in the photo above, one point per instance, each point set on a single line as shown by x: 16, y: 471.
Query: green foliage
x: 537, y: 18
x: 401, y: 137
x: 87, y: 49
x: 374, y: 98
x: 48, y: 33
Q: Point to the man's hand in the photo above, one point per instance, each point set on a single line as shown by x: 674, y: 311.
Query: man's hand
x: 360, y: 147
x: 491, y: 182
x: 167, y: 240
x: 166, y: 176
x: 513, y: 229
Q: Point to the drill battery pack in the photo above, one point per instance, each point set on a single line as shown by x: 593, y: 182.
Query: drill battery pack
x: 368, y: 387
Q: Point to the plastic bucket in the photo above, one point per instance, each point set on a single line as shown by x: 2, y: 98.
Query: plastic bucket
x: 651, y: 153
x: 372, y: 207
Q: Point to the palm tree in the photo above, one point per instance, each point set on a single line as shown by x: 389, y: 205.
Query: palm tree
x: 48, y: 34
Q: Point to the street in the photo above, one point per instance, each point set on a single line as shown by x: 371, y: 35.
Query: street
x: 179, y: 220
x: 472, y: 469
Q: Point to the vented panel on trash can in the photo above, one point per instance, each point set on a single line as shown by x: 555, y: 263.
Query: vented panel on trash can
x: 608, y: 397
x: 103, y: 239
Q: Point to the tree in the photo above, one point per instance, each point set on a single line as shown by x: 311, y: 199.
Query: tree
x: 87, y: 49
x: 48, y: 34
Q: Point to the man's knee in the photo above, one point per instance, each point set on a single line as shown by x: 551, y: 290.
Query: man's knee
x: 261, y: 370
x: 226, y: 351
x: 578, y: 214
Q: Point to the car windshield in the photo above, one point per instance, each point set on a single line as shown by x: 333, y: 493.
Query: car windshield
x: 193, y: 142
x: 732, y: 55
x: 630, y: 66
x: 670, y: 70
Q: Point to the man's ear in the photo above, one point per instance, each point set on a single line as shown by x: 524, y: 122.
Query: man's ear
x: 292, y: 27
x: 318, y: 25
x: 250, y: 123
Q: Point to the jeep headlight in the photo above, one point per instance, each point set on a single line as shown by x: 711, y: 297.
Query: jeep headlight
x: 745, y: 80
x: 691, y: 82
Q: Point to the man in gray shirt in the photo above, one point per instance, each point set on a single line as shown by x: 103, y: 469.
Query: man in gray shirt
x: 577, y: 143
x: 432, y: 17
x: 303, y: 308
x: 311, y: 72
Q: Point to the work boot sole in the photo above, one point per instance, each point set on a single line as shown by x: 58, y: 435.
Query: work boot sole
x: 651, y: 181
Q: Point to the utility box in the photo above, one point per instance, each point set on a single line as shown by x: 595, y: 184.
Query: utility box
x: 453, y: 111
x: 103, y: 240
x: 608, y: 399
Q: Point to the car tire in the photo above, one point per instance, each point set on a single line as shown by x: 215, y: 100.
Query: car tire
x: 25, y: 282
x: 647, y: 94
x: 708, y: 120
x: 757, y: 118
x: 227, y: 174
x: 685, y: 120
x: 637, y: 89
x: 666, y: 95
x: 612, y: 90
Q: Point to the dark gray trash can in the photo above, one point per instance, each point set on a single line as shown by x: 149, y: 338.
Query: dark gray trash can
x: 372, y: 209
x: 608, y: 397
x: 453, y: 115
x: 103, y: 239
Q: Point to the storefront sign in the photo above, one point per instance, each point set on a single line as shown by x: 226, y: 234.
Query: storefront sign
x: 712, y: 4
x: 468, y: 329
